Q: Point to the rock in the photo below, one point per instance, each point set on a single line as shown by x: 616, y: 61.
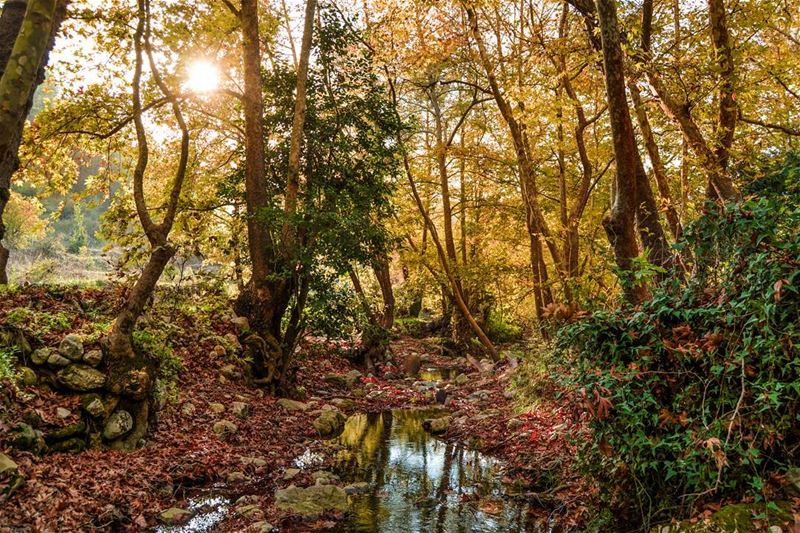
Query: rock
x: 136, y: 384
x: 188, y: 409
x: 262, y: 527
x: 224, y: 429
x: 290, y: 473
x: 335, y: 379
x: 26, y: 376
x: 118, y: 424
x: 93, y: 404
x: 81, y: 378
x: 7, y: 465
x: 73, y: 445
x: 359, y: 393
x: 240, y: 409
x: 361, y: 487
x: 40, y: 356
x: 514, y: 424
x: 236, y: 477
x: 793, y: 481
x: 71, y: 347
x: 231, y: 372
x: 353, y: 377
x: 219, y: 351
x: 216, y: 408
x: 174, y: 516
x: 343, y: 403
x: 258, y: 462
x: 24, y: 437
x: 62, y: 413
x: 66, y: 432
x: 487, y: 366
x: 247, y: 510
x: 323, y: 477
x: 56, y: 359
x: 93, y: 357
x: 311, y: 501
x: 461, y: 379
x: 436, y: 425
x: 292, y: 405
x: 241, y: 323
x: 233, y: 340
x: 329, y: 423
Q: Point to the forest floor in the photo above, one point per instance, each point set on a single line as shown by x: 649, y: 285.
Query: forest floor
x: 111, y: 490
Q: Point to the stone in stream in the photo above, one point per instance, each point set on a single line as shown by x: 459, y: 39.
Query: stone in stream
x: 71, y: 347
x: 312, y: 501
x: 292, y: 405
x: 81, y: 378
x: 174, y: 516
x: 329, y: 423
x: 360, y: 487
x: 437, y: 425
x: 119, y: 424
x: 40, y: 356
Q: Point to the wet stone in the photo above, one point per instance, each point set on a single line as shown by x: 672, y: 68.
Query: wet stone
x: 329, y: 423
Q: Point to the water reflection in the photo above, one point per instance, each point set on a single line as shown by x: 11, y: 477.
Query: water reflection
x: 419, y: 483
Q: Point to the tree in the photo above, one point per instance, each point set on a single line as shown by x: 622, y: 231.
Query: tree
x: 21, y: 71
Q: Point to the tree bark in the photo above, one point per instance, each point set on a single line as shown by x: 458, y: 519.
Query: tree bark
x: 619, y: 224
x: 26, y: 38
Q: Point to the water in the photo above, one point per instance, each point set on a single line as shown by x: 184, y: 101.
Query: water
x: 208, y: 511
x: 419, y: 483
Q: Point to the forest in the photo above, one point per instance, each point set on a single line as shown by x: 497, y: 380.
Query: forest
x: 400, y: 266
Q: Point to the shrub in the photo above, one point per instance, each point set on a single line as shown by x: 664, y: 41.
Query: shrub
x: 697, y: 392
x: 501, y: 331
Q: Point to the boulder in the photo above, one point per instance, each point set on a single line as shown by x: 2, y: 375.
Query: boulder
x: 40, y: 356
x: 26, y: 376
x: 93, y: 357
x: 240, y: 409
x: 93, y: 404
x: 436, y: 425
x: 311, y: 501
x: 224, y: 428
x: 81, y: 378
x: 71, y: 347
x: 7, y: 465
x: 136, y: 384
x: 329, y: 423
x: 174, y: 516
x: 292, y: 405
x: 56, y: 359
x: 118, y: 424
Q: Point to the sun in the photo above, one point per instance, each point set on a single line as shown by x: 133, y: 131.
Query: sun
x: 202, y: 77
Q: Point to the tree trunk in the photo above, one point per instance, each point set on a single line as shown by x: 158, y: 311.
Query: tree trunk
x: 26, y: 38
x: 619, y: 224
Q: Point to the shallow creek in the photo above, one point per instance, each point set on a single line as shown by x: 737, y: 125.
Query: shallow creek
x: 419, y: 483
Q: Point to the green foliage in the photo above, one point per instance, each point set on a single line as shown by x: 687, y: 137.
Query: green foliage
x: 38, y: 323
x: 411, y: 326
x: 7, y: 360
x: 698, y: 391
x: 154, y: 344
x: 79, y: 238
x: 499, y: 330
x: 333, y: 310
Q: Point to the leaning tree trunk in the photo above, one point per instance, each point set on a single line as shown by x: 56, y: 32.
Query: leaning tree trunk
x: 131, y: 373
x: 26, y: 38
